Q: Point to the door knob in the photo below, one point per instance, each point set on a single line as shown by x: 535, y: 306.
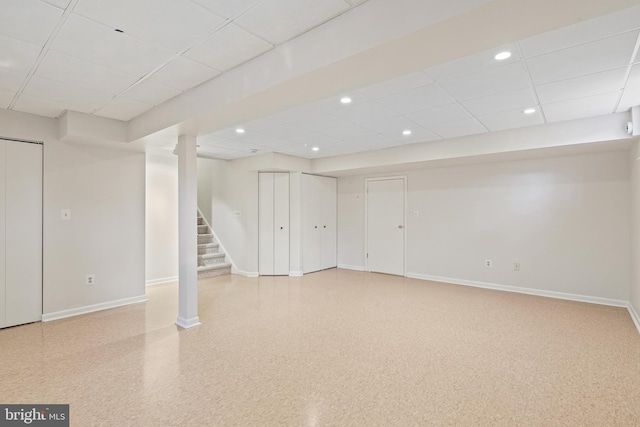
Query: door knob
x: 400, y: 226
x: 281, y: 228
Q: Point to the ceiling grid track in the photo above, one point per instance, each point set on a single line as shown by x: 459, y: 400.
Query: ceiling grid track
x: 43, y: 52
x: 532, y: 85
x: 628, y: 73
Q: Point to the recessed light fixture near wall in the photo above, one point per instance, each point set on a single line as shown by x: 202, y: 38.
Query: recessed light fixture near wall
x: 345, y: 100
x: 529, y: 111
x: 316, y: 149
x: 406, y: 132
x: 502, y: 56
x: 240, y: 130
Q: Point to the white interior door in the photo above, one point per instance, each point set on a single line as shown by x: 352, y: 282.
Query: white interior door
x: 23, y: 233
x: 311, y: 213
x: 329, y: 214
x: 3, y: 252
x: 281, y: 224
x: 386, y: 225
x: 265, y: 223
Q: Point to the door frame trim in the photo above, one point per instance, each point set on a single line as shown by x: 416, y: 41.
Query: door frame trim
x: 366, y: 219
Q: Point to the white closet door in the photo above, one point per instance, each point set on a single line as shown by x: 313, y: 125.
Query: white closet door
x: 265, y: 223
x: 385, y: 226
x: 311, y: 206
x: 329, y: 214
x: 23, y: 233
x: 3, y: 162
x: 281, y: 224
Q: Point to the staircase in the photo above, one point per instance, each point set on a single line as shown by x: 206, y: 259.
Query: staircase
x: 211, y: 261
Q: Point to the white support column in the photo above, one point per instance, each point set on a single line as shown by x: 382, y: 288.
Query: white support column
x: 188, y: 232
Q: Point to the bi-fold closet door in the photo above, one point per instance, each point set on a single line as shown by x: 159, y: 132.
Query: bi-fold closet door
x: 319, y: 224
x: 20, y: 232
x: 273, y: 213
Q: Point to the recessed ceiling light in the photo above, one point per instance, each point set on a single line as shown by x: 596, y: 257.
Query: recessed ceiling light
x: 239, y: 130
x: 406, y: 132
x: 529, y: 111
x: 315, y: 149
x: 503, y: 55
x: 346, y: 100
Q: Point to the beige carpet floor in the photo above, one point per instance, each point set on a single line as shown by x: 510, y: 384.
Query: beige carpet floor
x: 335, y: 348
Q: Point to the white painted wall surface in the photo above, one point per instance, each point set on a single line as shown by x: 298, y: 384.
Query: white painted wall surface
x: 566, y: 221
x: 230, y: 193
x: 161, y: 217
x: 105, y: 190
x: 635, y: 227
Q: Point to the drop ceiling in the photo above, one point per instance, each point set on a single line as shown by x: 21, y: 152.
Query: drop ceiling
x: 119, y: 59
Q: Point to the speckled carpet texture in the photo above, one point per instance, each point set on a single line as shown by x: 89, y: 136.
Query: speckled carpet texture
x: 334, y: 348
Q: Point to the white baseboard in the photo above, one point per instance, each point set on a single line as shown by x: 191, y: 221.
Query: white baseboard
x: 634, y: 316
x: 244, y: 273
x: 296, y: 274
x: 92, y: 308
x: 528, y: 291
x: 351, y: 267
x: 188, y: 323
x: 160, y: 281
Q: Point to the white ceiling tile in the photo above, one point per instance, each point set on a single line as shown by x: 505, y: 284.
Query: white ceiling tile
x: 579, y: 87
x: 252, y: 138
x: 361, y: 137
x: 319, y: 122
x: 444, y: 114
x: 83, y: 100
x: 397, y: 85
x: 260, y: 125
x: 62, y: 4
x: 122, y: 109
x: 487, y: 82
x: 602, y: 55
x: 227, y: 8
x: 16, y: 55
x: 5, y: 98
x: 150, y: 93
x: 631, y: 94
x: 473, y: 63
x: 229, y: 144
x: 333, y: 103
x: 583, y: 107
x: 419, y: 99
x: 31, y: 21
x: 364, y: 112
x: 584, y: 32
x: 173, y: 24
x: 458, y: 128
x: 183, y: 74
x: 280, y: 20
x: 510, y: 120
x: 93, y: 42
x: 514, y: 100
x: 42, y: 107
x: 227, y: 48
x: 393, y: 127
x: 10, y: 80
x: 67, y: 69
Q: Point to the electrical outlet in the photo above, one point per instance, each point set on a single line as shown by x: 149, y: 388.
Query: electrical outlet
x: 516, y: 266
x: 90, y: 279
x: 487, y: 263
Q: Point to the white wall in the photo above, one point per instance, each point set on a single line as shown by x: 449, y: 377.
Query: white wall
x: 566, y: 220
x: 228, y: 197
x: 161, y: 217
x: 635, y: 228
x: 104, y: 188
